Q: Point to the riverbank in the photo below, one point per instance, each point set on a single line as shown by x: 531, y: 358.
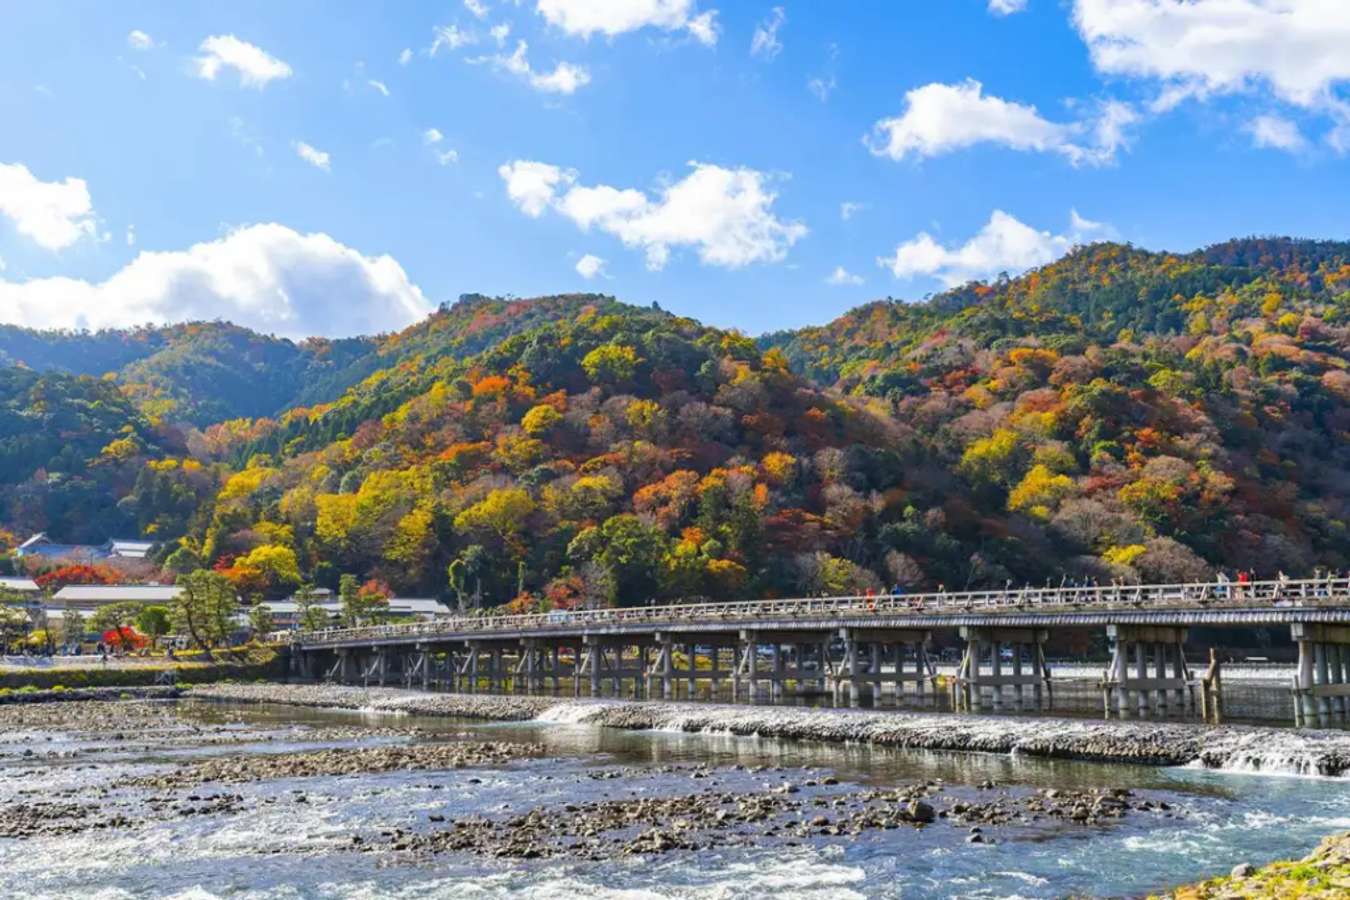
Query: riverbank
x: 62, y: 694
x: 244, y: 663
x: 1324, y: 873
x: 1233, y: 748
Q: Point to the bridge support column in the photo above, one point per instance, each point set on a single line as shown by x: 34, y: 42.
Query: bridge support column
x: 592, y: 657
x: 1151, y: 651
x: 867, y: 653
x: 661, y: 669
x: 972, y: 679
x: 752, y: 646
x: 528, y: 663
x: 419, y: 671
x: 1322, y: 682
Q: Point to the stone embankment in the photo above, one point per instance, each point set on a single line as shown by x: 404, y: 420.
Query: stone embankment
x: 1147, y: 743
x: 66, y: 695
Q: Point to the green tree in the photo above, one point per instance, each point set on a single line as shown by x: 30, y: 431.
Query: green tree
x: 183, y: 560
x: 72, y: 626
x: 632, y: 551
x: 366, y: 604
x: 14, y: 623
x: 309, y: 615
x: 154, y: 621
x: 260, y: 620
x: 205, y: 608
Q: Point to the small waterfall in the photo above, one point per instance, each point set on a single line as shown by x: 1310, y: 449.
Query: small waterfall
x: 1277, y: 753
x: 571, y: 713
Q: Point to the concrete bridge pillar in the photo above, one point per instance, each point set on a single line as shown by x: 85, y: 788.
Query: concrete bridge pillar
x: 1322, y: 682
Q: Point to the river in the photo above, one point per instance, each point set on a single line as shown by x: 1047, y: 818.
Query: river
x: 293, y: 837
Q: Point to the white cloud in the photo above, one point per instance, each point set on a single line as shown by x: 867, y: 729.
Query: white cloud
x: 565, y: 78
x: 1006, y: 7
x: 379, y: 86
x: 315, y: 157
x: 139, y: 40
x: 843, y: 277
x: 764, y: 42
x: 1202, y: 47
x: 589, y: 266
x: 1004, y: 244
x: 255, y: 66
x: 822, y: 86
x: 1276, y: 132
x: 584, y: 18
x: 266, y: 277
x: 941, y: 118
x: 405, y: 56
x: 849, y: 208
x: 431, y: 137
x: 54, y: 214
x: 500, y: 33
x: 451, y: 38
x: 532, y: 185
x: 477, y: 7
x: 725, y: 214
x: 131, y: 235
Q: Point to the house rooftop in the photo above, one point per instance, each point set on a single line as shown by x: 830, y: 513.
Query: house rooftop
x: 117, y: 593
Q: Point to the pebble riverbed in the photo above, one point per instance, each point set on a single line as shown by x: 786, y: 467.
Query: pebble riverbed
x: 342, y: 792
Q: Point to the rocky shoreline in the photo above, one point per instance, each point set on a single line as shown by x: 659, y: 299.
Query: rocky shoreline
x: 1244, y: 748
x: 710, y: 820
x: 68, y: 695
x: 1321, y: 875
x: 339, y: 761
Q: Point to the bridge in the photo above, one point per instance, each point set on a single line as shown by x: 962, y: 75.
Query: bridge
x: 875, y: 646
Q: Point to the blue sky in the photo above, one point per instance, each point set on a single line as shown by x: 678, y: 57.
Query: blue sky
x: 288, y: 166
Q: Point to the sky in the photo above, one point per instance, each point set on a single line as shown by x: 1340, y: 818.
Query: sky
x: 336, y: 168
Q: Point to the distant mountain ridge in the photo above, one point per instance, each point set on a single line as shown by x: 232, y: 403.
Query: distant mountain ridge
x: 1116, y: 414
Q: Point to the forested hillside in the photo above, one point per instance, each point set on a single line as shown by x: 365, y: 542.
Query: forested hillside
x: 1117, y: 414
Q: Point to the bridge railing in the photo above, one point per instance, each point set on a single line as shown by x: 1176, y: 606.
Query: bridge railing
x: 1285, y: 592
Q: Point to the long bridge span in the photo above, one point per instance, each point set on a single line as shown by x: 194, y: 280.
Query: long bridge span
x: 849, y: 647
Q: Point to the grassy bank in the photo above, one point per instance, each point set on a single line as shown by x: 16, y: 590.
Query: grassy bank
x: 1323, y: 873
x: 244, y: 663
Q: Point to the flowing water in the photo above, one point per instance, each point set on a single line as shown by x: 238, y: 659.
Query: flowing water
x: 284, y: 848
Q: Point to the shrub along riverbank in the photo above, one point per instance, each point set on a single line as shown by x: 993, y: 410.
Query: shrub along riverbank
x: 244, y: 663
x: 1323, y: 873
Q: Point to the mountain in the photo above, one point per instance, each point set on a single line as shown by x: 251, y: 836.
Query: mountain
x: 1116, y: 414
x: 201, y: 373
x: 196, y: 373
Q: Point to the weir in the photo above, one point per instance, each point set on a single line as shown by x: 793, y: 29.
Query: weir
x: 867, y: 649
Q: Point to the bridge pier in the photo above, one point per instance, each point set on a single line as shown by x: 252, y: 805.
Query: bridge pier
x: 972, y: 680
x: 1156, y: 656
x: 880, y: 647
x: 1322, y: 683
x: 786, y: 663
x: 603, y: 660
